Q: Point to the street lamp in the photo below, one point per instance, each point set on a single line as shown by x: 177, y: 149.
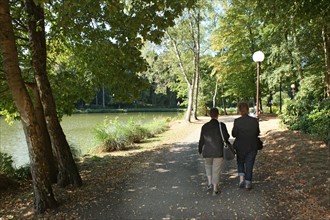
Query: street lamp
x: 258, y: 57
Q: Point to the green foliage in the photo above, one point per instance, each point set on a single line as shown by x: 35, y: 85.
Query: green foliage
x: 96, y: 158
x: 125, y: 110
x: 156, y: 127
x: 116, y: 135
x: 320, y: 123
x: 230, y: 111
x: 23, y: 172
x: 311, y: 119
x: 88, y: 47
x: 6, y: 165
x: 311, y: 90
x: 7, y: 168
x: 235, y: 41
x: 290, y: 38
x: 308, y: 112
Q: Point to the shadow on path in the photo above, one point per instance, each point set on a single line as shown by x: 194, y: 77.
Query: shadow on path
x: 173, y: 186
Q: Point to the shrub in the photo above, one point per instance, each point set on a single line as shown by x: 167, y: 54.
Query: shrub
x: 312, y: 119
x: 8, y: 170
x: 319, y: 121
x: 119, y: 136
x: 24, y: 172
x: 6, y: 165
x: 156, y: 127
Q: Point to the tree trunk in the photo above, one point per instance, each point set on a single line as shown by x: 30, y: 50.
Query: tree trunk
x: 43, y: 193
x: 196, y: 40
x: 195, y: 97
x: 326, y: 47
x: 68, y: 171
x: 103, y: 96
x: 189, y: 85
x: 190, y: 102
x: 223, y: 100
x: 49, y: 157
x: 214, y: 100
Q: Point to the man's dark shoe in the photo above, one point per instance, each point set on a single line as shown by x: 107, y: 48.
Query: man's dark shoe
x: 248, y: 186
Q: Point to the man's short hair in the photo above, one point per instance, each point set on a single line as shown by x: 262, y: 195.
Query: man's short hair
x: 214, y: 112
x: 243, y: 108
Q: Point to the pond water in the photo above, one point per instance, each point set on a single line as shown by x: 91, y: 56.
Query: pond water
x: 78, y: 129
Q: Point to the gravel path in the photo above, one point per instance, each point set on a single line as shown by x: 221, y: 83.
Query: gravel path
x: 172, y: 185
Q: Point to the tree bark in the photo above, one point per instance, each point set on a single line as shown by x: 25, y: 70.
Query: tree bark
x: 195, y: 40
x: 103, y: 96
x: 326, y: 47
x: 68, y: 171
x: 197, y: 63
x: 49, y: 156
x: 190, y: 103
x: 214, y: 99
x: 223, y: 99
x: 43, y: 193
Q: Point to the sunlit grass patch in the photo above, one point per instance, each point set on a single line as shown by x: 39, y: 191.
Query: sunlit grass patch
x: 115, y: 135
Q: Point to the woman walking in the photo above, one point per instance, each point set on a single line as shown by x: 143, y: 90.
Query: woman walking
x: 211, y: 147
x: 246, y: 131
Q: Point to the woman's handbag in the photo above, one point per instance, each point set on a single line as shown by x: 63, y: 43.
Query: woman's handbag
x: 228, y: 149
x: 260, y: 144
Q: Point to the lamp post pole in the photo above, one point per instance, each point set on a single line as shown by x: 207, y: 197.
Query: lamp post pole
x: 258, y: 89
x: 258, y: 57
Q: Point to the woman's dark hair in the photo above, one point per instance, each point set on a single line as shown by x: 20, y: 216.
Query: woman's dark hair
x: 214, y: 112
x: 243, y: 108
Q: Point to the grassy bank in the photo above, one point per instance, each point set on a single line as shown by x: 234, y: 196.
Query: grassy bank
x: 126, y: 110
x: 117, y: 135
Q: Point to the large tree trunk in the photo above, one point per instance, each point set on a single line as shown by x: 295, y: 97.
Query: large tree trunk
x: 68, y: 171
x: 43, y: 194
x: 49, y: 156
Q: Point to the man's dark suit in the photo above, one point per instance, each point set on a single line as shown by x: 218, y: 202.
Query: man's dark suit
x: 246, y: 130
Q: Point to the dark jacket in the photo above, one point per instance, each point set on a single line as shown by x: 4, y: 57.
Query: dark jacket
x: 210, y: 142
x: 246, y: 131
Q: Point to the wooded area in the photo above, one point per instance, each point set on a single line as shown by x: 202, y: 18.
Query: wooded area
x: 56, y: 54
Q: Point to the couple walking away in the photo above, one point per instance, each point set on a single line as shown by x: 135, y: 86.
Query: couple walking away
x: 245, y: 130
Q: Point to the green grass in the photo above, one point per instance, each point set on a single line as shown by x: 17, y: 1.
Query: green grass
x: 130, y: 110
x: 115, y: 135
